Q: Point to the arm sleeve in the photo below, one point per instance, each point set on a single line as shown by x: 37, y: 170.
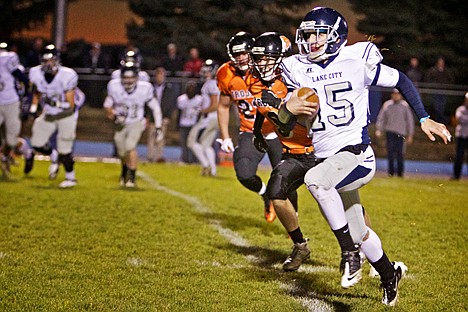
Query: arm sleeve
x: 157, y: 114
x: 257, y: 127
x: 411, y: 94
x: 18, y: 74
x: 390, y: 77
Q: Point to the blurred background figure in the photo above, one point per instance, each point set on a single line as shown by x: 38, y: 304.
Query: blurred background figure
x: 461, y: 138
x: 172, y: 61
x: 33, y: 56
x: 190, y: 105
x: 414, y: 72
x: 54, y: 87
x: 193, y: 65
x: 95, y: 58
x: 203, y: 134
x: 166, y: 94
x: 397, y: 121
x: 10, y: 70
x: 131, y: 58
x: 125, y: 104
x: 441, y: 75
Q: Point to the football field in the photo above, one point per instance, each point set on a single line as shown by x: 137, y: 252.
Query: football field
x: 183, y: 242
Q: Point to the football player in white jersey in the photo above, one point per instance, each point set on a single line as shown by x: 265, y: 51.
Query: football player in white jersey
x: 54, y: 89
x: 203, y: 134
x: 341, y: 75
x: 125, y: 105
x: 54, y: 166
x: 9, y: 103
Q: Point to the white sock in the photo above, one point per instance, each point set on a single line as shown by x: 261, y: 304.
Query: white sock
x: 372, y: 247
x: 70, y: 175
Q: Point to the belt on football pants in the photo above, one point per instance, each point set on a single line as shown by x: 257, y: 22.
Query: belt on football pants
x: 58, y: 116
x: 355, y: 149
x: 299, y: 151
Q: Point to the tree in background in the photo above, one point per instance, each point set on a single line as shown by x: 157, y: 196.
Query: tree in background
x: 18, y: 15
x: 425, y: 29
x: 207, y: 24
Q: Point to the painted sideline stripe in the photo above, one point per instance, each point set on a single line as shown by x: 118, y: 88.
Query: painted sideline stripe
x: 311, y: 304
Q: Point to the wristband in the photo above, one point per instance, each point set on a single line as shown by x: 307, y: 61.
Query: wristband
x: 424, y: 119
x: 284, y: 115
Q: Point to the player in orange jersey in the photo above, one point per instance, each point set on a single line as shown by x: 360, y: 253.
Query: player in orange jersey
x: 233, y: 89
x: 298, y: 157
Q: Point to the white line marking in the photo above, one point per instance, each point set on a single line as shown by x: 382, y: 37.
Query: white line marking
x: 311, y: 304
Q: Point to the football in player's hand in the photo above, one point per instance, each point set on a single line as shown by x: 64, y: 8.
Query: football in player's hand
x: 313, y: 98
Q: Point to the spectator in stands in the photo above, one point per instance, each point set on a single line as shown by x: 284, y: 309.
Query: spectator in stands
x: 95, y: 58
x: 194, y: 63
x: 414, y: 72
x: 172, y: 61
x: 190, y: 105
x: 166, y: 94
x: 461, y: 137
x: 396, y: 119
x: 439, y: 74
x: 33, y: 57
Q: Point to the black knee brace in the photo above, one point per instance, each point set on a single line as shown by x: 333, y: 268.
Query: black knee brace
x: 67, y: 161
x: 253, y: 183
x: 46, y: 149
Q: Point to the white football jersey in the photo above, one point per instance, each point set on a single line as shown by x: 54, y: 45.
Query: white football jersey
x: 189, y: 109
x: 65, y: 79
x: 142, y: 75
x: 131, y: 105
x: 342, y: 86
x: 9, y: 62
x: 210, y: 87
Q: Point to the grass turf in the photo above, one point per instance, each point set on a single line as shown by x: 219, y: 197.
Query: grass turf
x: 182, y: 242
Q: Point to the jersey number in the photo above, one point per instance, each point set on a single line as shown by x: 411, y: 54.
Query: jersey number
x: 246, y: 109
x: 344, y: 109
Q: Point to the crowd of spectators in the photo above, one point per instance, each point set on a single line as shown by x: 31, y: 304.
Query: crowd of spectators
x: 96, y: 58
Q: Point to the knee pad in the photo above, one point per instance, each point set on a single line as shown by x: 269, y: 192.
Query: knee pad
x: 245, y: 168
x: 253, y: 183
x: 67, y: 161
x: 275, y: 189
x: 46, y: 149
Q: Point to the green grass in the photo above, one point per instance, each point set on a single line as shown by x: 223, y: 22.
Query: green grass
x: 182, y: 242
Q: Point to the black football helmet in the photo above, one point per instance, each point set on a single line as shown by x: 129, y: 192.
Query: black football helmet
x: 133, y: 56
x: 267, y: 53
x: 208, y: 69
x: 240, y: 43
x: 50, y: 59
x: 322, y: 21
x: 129, y: 76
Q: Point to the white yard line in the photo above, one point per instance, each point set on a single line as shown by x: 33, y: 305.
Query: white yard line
x: 310, y: 303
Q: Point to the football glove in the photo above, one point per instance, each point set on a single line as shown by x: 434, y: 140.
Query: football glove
x: 226, y: 145
x: 259, y: 142
x: 269, y: 97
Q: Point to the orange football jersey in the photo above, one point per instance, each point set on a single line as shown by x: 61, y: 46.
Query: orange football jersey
x: 299, y: 138
x: 229, y: 83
